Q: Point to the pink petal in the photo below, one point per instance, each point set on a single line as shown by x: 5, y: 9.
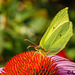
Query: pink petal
x: 58, y: 58
x: 65, y: 66
x: 1, y: 70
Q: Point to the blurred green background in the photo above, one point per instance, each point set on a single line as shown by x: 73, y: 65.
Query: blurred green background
x: 29, y: 19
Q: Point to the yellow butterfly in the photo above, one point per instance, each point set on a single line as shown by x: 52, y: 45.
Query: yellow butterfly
x: 57, y: 35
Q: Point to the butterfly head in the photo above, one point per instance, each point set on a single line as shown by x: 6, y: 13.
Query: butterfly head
x: 38, y: 48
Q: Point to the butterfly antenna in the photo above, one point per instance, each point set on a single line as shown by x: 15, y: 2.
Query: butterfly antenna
x: 30, y: 41
x: 30, y: 46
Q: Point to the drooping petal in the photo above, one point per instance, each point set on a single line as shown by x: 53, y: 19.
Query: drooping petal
x: 1, y: 69
x: 65, y: 67
x: 57, y: 58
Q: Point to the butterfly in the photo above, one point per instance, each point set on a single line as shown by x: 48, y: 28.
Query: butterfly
x: 57, y: 35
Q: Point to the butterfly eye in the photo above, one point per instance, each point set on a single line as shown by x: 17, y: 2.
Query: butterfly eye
x: 38, y: 47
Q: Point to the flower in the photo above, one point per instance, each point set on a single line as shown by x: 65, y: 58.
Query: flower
x: 33, y: 63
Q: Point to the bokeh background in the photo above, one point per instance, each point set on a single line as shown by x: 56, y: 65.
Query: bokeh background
x: 29, y: 19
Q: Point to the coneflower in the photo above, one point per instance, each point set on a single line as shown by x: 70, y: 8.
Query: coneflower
x: 30, y: 63
x: 33, y: 63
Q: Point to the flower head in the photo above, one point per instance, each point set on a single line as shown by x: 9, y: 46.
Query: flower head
x: 30, y: 63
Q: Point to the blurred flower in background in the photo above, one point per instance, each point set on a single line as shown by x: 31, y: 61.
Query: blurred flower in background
x: 20, y: 19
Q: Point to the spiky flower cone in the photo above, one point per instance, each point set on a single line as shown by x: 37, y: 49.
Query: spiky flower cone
x: 30, y: 63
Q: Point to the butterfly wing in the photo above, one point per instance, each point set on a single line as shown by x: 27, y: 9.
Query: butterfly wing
x: 61, y: 40
x: 58, y: 33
